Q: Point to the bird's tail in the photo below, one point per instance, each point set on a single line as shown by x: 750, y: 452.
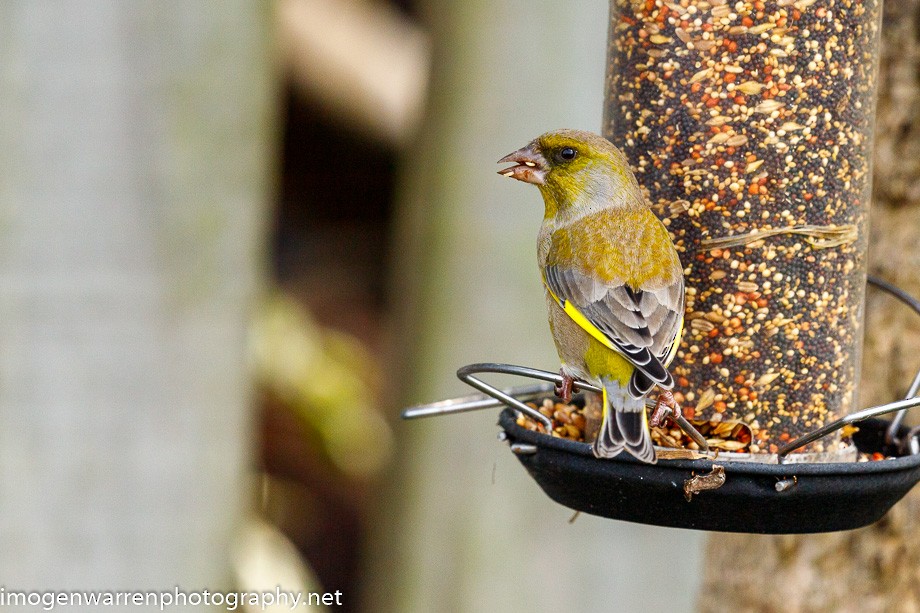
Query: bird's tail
x: 625, y: 425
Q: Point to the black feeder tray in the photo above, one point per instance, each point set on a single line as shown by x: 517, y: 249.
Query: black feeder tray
x: 721, y: 493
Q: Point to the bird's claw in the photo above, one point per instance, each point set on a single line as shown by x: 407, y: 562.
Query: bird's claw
x: 665, y: 408
x: 564, y: 389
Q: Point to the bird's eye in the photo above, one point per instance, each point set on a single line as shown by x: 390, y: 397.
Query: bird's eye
x: 567, y: 153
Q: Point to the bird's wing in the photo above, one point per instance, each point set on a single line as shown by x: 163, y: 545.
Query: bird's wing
x: 640, y: 323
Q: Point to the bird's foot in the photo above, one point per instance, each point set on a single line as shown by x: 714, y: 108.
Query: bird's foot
x: 564, y: 389
x: 665, y: 408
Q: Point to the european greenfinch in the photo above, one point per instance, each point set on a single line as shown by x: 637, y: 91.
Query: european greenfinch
x: 613, y: 281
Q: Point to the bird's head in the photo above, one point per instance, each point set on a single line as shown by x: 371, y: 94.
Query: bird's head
x: 573, y: 168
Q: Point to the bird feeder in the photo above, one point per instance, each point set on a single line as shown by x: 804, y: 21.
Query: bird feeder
x: 759, y: 116
x: 749, y: 126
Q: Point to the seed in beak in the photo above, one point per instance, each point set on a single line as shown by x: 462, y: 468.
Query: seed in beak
x: 531, y: 164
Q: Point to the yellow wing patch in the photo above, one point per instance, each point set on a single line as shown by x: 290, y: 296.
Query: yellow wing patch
x: 604, y: 404
x: 583, y: 322
x: 673, y: 351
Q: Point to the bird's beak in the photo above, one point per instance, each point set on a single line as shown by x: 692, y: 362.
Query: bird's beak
x: 530, y: 166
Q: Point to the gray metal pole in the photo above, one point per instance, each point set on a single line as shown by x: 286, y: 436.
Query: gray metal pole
x: 133, y: 175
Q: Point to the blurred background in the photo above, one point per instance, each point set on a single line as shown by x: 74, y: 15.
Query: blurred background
x: 238, y: 238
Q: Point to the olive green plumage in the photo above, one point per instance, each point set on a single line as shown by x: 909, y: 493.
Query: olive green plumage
x: 614, y: 283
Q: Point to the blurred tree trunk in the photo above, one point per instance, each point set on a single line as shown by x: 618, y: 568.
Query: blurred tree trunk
x: 875, y: 568
x: 133, y: 176
x: 466, y: 529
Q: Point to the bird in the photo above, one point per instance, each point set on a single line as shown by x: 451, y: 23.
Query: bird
x: 613, y: 283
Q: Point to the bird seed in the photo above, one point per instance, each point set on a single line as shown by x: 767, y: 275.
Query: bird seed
x: 758, y: 114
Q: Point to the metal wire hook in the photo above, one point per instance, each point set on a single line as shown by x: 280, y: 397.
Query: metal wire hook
x: 891, y: 434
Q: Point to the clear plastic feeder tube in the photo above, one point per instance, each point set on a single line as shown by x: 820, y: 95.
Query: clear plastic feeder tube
x: 760, y: 116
